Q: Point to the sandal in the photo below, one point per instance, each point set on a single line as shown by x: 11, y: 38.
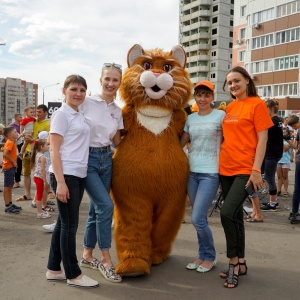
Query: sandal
x: 224, y: 274
x: 48, y: 208
x: 232, y: 279
x: 24, y: 197
x: 51, y: 196
x: 285, y: 194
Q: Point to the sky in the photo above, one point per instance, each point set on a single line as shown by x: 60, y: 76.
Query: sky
x: 48, y: 40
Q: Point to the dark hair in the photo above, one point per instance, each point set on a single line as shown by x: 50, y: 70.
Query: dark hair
x: 38, y: 144
x: 251, y: 90
x: 8, y: 130
x: 43, y: 107
x: 273, y: 104
x: 75, y: 79
x: 202, y: 89
x: 293, y: 119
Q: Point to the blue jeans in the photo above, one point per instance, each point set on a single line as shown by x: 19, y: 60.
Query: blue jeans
x: 270, y: 171
x: 202, y: 189
x: 296, y: 194
x: 97, y: 185
x: 63, y: 242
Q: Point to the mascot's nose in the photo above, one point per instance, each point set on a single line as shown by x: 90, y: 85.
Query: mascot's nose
x: 156, y: 74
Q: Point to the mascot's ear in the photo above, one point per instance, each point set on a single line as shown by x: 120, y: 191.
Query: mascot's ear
x: 134, y: 53
x: 178, y: 53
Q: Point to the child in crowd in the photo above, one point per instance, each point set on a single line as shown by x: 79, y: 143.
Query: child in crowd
x: 26, y: 128
x: 40, y: 165
x: 283, y: 167
x: 9, y: 168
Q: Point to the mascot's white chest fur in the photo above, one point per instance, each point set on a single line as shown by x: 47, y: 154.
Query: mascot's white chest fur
x: 154, y: 119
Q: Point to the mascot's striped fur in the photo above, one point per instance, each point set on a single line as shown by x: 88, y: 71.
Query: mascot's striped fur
x: 150, y: 168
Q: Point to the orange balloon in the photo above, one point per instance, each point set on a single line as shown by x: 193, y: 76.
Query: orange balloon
x: 195, y: 107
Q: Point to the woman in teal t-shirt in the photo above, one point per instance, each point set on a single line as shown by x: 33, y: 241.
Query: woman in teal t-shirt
x: 204, y: 130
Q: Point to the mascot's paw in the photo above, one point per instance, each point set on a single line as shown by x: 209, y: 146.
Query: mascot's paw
x: 158, y: 258
x: 133, y: 267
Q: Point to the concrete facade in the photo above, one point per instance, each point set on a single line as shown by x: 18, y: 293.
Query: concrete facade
x: 15, y: 95
x: 266, y: 41
x: 205, y: 32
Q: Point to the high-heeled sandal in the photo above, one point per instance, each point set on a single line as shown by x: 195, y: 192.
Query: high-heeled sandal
x: 232, y: 279
x: 224, y: 274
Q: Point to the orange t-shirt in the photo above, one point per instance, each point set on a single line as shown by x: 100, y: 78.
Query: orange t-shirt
x: 12, y: 148
x: 243, y: 119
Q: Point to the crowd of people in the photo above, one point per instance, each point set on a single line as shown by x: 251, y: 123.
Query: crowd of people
x: 231, y: 149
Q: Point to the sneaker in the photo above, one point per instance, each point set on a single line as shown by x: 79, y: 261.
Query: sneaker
x: 293, y: 215
x: 49, y: 227
x: 43, y: 215
x: 266, y: 203
x: 109, y: 274
x: 268, y: 207
x: 11, y: 210
x: 84, y: 281
x: 89, y: 264
x: 55, y: 277
x: 16, y: 207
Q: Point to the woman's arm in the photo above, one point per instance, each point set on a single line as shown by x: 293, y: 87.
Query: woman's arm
x: 255, y: 176
x: 117, y: 138
x: 185, y: 138
x: 62, y: 191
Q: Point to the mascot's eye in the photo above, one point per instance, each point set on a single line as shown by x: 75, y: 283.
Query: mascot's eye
x: 167, y: 68
x: 147, y: 66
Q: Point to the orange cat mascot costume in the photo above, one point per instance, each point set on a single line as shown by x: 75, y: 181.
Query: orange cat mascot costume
x: 150, y: 169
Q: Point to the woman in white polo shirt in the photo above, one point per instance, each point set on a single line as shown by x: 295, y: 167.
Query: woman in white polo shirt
x: 105, y: 120
x: 69, y: 138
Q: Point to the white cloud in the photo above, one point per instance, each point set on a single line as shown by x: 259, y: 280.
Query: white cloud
x: 48, y: 40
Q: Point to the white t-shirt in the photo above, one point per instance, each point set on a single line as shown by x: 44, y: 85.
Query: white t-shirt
x: 74, y: 151
x: 104, y: 120
x: 206, y: 137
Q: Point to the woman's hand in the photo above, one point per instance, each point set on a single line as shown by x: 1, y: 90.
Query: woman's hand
x: 256, y: 180
x: 62, y: 192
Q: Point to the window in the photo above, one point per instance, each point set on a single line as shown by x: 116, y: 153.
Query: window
x: 214, y: 20
x: 263, y: 41
x: 231, y: 33
x: 214, y: 31
x: 215, y: 8
x: 213, y: 75
x: 287, y: 36
x: 213, y: 53
x: 261, y: 66
x: 263, y: 16
x: 288, y: 8
x: 214, y: 42
x: 288, y: 89
x: 213, y: 65
x: 230, y: 45
x: 285, y: 63
x: 231, y: 22
x: 241, y: 55
x: 243, y: 11
x: 232, y: 12
x: 243, y: 33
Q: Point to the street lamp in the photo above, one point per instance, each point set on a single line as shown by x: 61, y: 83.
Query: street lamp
x: 43, y: 88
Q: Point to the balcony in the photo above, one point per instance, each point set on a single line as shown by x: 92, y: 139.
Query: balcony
x: 204, y: 24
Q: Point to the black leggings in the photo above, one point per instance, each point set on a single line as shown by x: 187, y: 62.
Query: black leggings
x: 233, y: 189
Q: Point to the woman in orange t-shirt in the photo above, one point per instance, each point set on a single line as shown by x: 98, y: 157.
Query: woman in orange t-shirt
x: 245, y: 130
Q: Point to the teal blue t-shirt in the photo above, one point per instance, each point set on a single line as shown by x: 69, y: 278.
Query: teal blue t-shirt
x: 206, y: 137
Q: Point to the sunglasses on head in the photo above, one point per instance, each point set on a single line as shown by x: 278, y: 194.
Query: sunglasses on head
x: 108, y: 65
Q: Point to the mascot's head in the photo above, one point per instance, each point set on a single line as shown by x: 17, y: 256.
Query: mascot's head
x: 156, y: 78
